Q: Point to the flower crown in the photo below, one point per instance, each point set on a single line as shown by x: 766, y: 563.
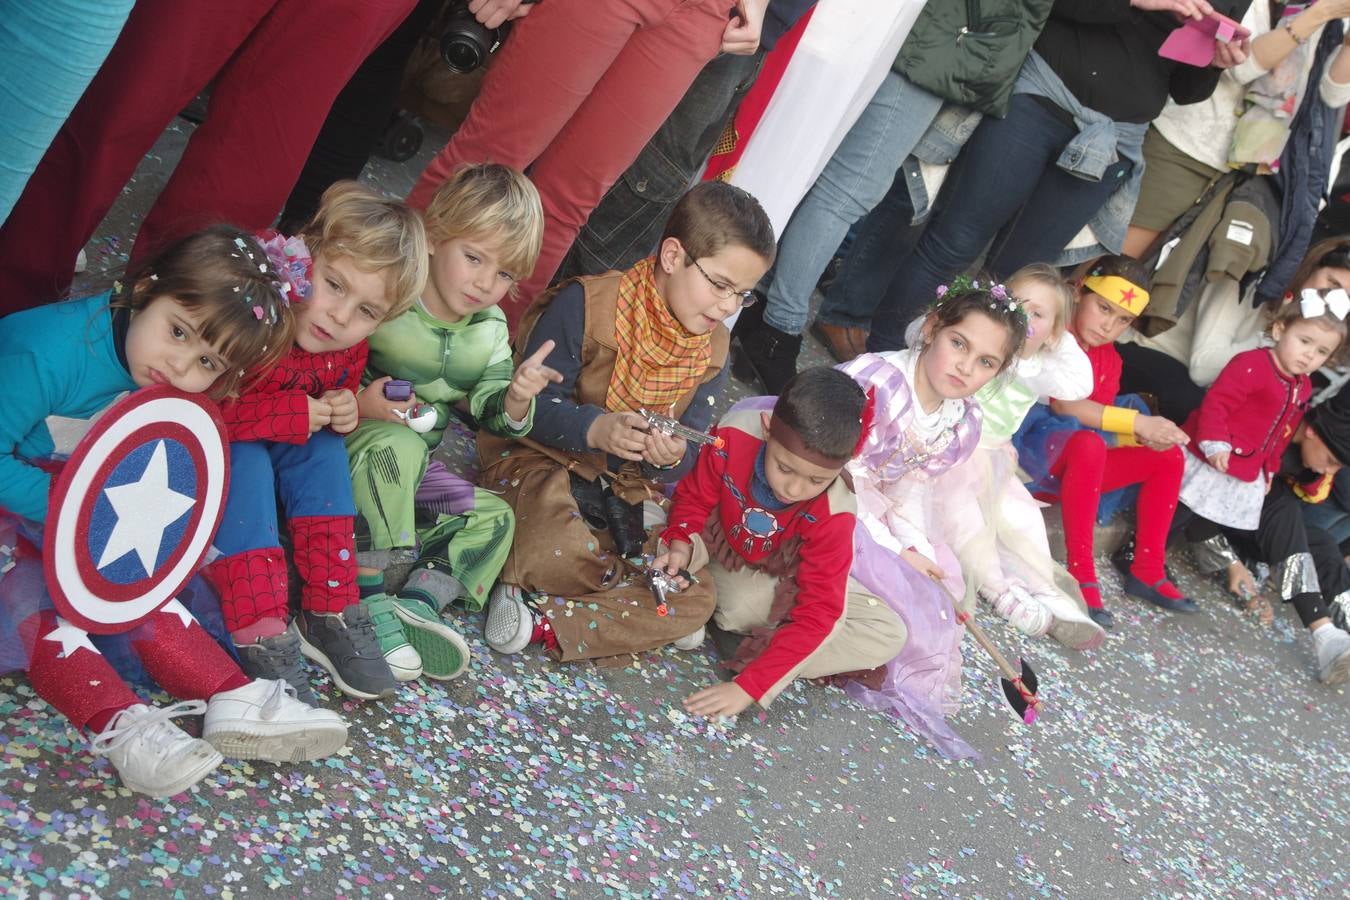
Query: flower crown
x: 964, y: 284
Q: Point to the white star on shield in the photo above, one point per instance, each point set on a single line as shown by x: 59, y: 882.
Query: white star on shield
x: 144, y: 509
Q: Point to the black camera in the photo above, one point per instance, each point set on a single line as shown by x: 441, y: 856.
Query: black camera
x: 465, y: 42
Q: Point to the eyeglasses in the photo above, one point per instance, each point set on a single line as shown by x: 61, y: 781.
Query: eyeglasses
x: 725, y: 291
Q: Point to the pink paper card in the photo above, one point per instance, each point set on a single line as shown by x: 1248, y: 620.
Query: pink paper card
x: 1193, y: 43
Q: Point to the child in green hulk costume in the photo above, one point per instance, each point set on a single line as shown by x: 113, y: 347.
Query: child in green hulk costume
x: 484, y: 227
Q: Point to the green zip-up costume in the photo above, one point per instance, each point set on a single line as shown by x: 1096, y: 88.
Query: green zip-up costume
x: 463, y: 528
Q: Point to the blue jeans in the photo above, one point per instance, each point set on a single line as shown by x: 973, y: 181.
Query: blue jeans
x: 881, y: 241
x: 1005, y: 188
x: 51, y: 52
x: 854, y: 181
x: 310, y: 479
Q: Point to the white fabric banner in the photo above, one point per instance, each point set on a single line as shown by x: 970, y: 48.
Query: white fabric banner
x: 846, y: 51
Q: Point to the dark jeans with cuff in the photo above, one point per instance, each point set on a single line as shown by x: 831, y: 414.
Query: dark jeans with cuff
x: 626, y: 225
x: 1004, y: 185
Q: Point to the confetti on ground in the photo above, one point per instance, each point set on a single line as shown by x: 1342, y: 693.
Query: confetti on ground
x: 1190, y: 756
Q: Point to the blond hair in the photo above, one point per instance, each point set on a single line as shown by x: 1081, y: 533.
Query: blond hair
x: 490, y: 202
x: 1048, y: 275
x: 377, y: 234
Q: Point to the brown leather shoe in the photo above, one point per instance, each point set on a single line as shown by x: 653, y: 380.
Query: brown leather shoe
x: 872, y: 679
x: 843, y: 342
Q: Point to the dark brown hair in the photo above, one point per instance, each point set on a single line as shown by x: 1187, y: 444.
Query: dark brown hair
x: 1333, y: 253
x: 713, y: 215
x: 1127, y: 267
x: 824, y: 407
x: 215, y: 273
x: 979, y: 295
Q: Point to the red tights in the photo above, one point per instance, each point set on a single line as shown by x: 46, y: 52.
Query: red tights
x: 67, y: 671
x: 1085, y: 469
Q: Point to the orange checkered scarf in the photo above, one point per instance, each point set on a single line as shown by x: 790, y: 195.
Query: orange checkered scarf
x: 658, y: 361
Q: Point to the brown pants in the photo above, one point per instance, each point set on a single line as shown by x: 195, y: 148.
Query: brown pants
x: 870, y: 634
x: 599, y: 608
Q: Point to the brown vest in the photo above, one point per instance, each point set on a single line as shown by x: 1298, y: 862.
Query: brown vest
x: 598, y: 353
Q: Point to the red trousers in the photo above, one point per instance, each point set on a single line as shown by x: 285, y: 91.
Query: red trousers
x: 276, y: 65
x: 1086, y: 468
x: 574, y: 95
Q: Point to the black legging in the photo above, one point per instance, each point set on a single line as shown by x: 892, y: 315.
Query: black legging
x: 1284, y: 541
x: 1150, y: 371
x: 358, y: 118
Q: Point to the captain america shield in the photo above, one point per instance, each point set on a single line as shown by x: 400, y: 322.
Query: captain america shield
x: 135, y: 508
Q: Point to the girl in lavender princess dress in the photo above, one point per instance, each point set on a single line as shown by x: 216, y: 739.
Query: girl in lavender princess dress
x: 926, y: 422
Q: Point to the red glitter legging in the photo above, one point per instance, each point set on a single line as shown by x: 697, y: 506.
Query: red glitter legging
x: 73, y: 676
x: 1085, y: 469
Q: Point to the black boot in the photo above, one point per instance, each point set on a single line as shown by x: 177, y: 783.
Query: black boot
x: 766, y: 356
x: 751, y: 318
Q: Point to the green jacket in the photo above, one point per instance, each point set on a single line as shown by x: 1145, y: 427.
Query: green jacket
x: 969, y: 51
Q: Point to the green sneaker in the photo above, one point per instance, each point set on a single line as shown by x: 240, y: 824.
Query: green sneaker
x: 445, y: 655
x: 404, y: 660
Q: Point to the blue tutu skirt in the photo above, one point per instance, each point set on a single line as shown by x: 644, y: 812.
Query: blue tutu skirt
x: 1041, y: 440
x: 23, y: 593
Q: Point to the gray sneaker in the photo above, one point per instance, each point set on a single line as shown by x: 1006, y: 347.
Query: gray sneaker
x: 345, y: 645
x: 1333, y: 658
x: 278, y: 658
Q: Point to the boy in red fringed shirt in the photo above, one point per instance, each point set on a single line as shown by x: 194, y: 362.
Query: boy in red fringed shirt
x: 781, y: 542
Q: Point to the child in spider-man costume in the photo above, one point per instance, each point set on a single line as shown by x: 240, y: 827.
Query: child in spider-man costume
x: 286, y: 433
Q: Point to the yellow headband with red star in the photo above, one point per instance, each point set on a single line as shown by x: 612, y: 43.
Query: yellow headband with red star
x: 1120, y: 291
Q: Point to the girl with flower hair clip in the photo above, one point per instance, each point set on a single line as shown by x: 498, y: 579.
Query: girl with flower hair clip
x: 990, y: 519
x: 927, y: 421
x: 197, y: 317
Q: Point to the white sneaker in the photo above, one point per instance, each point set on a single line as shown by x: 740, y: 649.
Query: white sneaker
x: 1333, y: 655
x: 1023, y: 611
x: 691, y: 641
x: 1070, y: 626
x: 510, y: 621
x: 264, y: 720
x: 152, y: 754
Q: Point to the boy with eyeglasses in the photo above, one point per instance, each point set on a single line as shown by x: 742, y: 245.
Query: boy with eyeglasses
x: 650, y: 338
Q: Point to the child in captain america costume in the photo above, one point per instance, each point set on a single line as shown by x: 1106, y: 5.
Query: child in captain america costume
x: 286, y: 439
x: 193, y: 318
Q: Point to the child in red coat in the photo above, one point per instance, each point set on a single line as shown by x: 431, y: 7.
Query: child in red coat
x: 1239, y: 436
x: 770, y: 508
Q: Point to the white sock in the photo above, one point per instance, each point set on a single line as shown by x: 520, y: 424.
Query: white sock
x: 1322, y: 633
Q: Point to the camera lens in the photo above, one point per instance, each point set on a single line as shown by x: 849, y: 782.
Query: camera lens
x: 462, y: 52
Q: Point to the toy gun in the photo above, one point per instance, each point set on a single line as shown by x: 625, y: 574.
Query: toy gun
x: 663, y: 584
x: 667, y: 425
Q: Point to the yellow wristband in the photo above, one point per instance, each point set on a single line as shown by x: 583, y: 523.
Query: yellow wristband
x: 1119, y: 420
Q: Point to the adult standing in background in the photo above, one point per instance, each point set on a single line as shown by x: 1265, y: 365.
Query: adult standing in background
x: 49, y: 53
x: 576, y: 93
x: 1071, y: 142
x: 274, y: 66
x: 949, y: 55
